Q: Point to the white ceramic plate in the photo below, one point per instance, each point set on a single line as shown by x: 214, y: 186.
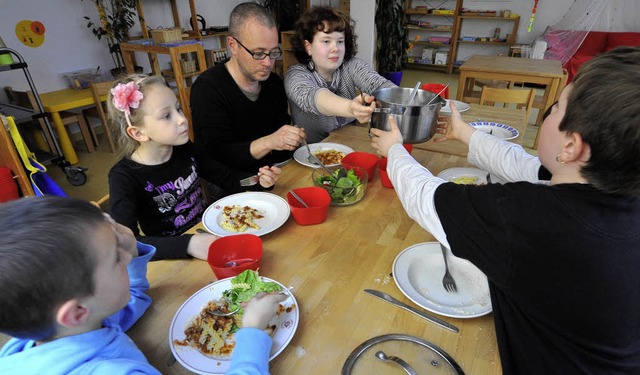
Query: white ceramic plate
x: 301, y: 154
x: 453, y: 173
x: 193, y: 360
x: 418, y: 272
x: 461, y: 106
x: 275, y: 209
x: 499, y: 130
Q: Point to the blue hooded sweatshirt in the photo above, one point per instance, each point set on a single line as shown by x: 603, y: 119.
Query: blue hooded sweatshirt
x: 107, y: 350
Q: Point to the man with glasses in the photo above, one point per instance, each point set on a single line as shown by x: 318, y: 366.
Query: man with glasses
x: 239, y: 108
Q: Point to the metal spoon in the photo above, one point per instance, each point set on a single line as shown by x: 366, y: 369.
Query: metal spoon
x: 298, y: 198
x: 237, y: 262
x: 413, y: 93
x: 438, y: 94
x: 402, y: 363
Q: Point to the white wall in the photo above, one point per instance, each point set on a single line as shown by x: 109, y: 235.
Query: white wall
x: 70, y: 46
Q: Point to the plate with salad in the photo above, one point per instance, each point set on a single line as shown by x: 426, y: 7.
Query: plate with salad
x: 203, y: 343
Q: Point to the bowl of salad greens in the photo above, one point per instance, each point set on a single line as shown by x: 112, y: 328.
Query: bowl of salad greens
x: 345, y: 185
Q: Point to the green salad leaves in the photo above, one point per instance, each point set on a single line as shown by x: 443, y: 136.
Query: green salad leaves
x: 245, y: 286
x: 342, y: 188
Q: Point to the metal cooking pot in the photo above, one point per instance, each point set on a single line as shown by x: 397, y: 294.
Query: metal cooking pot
x: 417, y: 122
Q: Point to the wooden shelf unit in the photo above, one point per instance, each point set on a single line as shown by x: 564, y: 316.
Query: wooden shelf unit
x: 411, y: 30
x: 509, y: 42
x: 288, y: 58
x: 455, y: 43
x: 177, y: 54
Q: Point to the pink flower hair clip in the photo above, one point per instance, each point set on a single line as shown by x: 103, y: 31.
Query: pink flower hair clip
x: 126, y: 96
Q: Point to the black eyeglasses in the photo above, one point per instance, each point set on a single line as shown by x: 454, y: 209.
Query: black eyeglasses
x: 276, y: 53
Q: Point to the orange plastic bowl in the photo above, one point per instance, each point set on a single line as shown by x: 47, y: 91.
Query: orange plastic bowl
x: 364, y: 160
x: 235, y: 247
x: 316, y: 198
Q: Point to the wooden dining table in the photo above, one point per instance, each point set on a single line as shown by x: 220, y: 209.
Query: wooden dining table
x: 547, y: 74
x: 329, y: 265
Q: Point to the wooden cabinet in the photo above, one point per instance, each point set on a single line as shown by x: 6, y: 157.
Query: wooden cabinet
x: 430, y: 35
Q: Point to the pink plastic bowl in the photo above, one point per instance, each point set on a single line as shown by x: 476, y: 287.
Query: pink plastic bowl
x: 364, y: 160
x: 238, y: 246
x: 316, y: 198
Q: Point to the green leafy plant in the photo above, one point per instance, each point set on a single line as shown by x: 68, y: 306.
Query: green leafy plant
x: 115, y: 17
x: 285, y: 12
x: 390, y: 34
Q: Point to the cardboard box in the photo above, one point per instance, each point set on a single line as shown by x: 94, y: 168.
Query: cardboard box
x: 428, y: 54
x: 441, y: 58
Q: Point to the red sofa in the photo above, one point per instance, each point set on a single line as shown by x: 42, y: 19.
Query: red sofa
x: 597, y: 42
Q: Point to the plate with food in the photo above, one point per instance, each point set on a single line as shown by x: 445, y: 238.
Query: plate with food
x: 498, y: 130
x: 418, y: 272
x: 330, y: 154
x: 464, y: 176
x: 460, y: 106
x: 256, y: 213
x: 203, y: 342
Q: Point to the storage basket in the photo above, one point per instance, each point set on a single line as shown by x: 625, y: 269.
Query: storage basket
x: 188, y: 66
x: 166, y: 35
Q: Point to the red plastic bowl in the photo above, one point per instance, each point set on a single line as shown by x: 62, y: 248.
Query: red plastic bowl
x: 316, y: 198
x: 239, y: 246
x: 364, y: 160
x: 384, y: 177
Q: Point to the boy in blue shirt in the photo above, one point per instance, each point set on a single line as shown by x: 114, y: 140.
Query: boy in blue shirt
x: 73, y: 280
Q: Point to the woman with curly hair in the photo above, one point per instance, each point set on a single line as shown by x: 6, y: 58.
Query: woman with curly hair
x: 322, y: 87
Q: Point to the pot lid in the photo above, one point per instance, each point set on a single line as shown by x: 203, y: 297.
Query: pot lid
x: 420, y: 355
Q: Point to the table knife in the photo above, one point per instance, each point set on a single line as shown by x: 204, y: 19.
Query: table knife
x: 432, y: 319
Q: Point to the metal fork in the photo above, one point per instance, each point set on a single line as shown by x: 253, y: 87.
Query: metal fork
x: 447, y: 281
x: 252, y: 180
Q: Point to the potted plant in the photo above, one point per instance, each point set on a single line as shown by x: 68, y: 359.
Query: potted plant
x: 390, y: 38
x: 285, y: 12
x: 115, y: 19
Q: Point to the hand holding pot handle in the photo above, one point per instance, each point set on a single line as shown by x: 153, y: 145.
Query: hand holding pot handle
x: 383, y: 140
x: 455, y: 128
x: 362, y: 107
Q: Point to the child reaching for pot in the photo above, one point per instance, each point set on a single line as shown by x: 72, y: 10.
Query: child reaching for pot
x: 156, y: 185
x: 558, y: 257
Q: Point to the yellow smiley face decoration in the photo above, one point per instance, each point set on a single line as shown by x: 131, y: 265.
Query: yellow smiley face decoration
x: 30, y: 33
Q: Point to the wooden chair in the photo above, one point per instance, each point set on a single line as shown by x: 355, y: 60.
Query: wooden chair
x: 28, y: 100
x: 99, y: 89
x: 103, y: 203
x: 522, y: 98
x: 538, y: 104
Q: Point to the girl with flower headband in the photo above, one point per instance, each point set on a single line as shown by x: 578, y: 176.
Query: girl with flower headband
x: 156, y: 187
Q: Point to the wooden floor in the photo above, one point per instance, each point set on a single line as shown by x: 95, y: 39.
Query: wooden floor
x: 101, y: 161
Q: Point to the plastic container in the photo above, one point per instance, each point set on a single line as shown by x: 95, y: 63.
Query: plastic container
x: 316, y: 198
x: 8, y: 186
x: 384, y: 177
x: 239, y: 246
x: 364, y: 160
x: 81, y: 79
x: 436, y: 88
